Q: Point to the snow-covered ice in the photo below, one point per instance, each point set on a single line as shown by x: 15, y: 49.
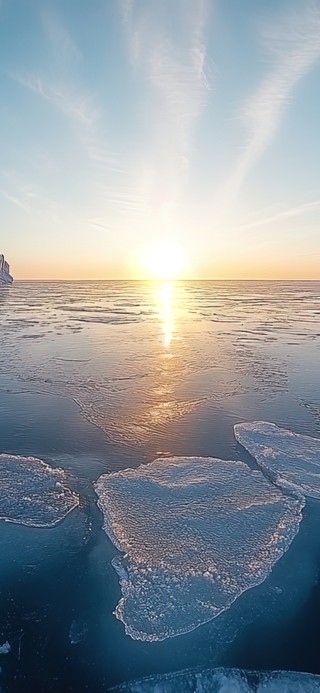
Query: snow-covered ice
x: 33, y: 493
x: 292, y: 460
x: 224, y: 681
x: 194, y: 534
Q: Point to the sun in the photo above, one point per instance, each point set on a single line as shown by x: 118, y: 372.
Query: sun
x: 165, y: 260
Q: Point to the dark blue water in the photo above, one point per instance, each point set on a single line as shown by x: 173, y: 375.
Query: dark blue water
x: 100, y: 377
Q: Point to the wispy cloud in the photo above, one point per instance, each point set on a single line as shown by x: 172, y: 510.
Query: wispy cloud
x: 15, y: 201
x: 26, y: 195
x: 98, y: 152
x: 174, y: 69
x: 166, y: 45
x: 293, y: 42
x: 99, y: 224
x: 289, y: 213
x: 77, y: 106
x: 64, y: 46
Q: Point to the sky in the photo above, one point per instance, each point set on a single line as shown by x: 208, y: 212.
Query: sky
x: 133, y: 125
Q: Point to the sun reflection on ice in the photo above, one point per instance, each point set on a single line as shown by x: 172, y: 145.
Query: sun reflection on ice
x: 166, y: 313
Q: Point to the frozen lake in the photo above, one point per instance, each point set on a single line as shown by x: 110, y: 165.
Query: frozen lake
x: 99, y: 378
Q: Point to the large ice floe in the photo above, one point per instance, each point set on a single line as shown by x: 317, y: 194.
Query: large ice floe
x: 291, y: 460
x: 224, y: 681
x: 194, y: 534
x: 33, y: 493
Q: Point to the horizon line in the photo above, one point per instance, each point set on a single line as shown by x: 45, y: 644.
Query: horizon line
x: 157, y: 281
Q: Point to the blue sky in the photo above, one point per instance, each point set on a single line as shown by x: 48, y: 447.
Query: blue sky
x: 126, y: 123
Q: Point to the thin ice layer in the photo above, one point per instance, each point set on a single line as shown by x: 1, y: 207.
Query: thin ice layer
x: 224, y: 681
x: 292, y: 460
x: 33, y: 493
x: 195, y: 533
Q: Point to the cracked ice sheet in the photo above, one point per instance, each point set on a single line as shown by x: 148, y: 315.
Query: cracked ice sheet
x: 194, y: 533
x: 292, y: 460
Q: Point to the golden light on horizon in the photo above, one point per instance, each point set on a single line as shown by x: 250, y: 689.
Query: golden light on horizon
x: 165, y: 261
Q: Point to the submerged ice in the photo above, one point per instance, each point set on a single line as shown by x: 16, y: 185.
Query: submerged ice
x: 194, y: 534
x: 292, y: 460
x: 5, y: 648
x: 33, y: 493
x: 224, y: 681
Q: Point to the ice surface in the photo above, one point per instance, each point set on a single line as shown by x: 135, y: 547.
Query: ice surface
x: 292, y: 460
x: 224, y: 681
x: 195, y: 533
x: 33, y: 493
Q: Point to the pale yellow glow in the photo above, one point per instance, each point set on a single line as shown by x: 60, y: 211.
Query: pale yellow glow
x: 164, y: 261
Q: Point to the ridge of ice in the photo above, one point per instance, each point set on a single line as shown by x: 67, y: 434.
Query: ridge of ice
x: 291, y: 460
x: 33, y: 493
x: 194, y: 533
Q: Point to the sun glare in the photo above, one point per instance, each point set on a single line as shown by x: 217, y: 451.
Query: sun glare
x: 164, y: 261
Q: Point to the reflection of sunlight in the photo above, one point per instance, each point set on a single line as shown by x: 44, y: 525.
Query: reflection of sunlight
x: 156, y: 395
x: 166, y: 314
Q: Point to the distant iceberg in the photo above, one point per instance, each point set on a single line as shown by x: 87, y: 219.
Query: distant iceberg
x: 291, y: 460
x: 33, y: 493
x: 224, y: 681
x: 5, y: 276
x: 194, y: 534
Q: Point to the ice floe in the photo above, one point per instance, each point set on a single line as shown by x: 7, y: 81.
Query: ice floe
x: 33, y: 493
x: 291, y: 460
x: 194, y: 534
x: 224, y: 681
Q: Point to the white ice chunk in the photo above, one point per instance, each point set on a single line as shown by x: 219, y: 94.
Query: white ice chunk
x: 224, y: 681
x: 33, y: 493
x: 195, y: 533
x: 292, y: 460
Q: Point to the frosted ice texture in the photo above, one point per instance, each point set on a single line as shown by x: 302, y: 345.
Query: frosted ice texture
x: 195, y: 533
x: 33, y: 493
x: 291, y: 460
x: 224, y: 681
